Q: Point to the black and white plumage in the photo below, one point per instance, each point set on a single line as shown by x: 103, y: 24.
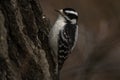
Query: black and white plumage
x: 63, y: 35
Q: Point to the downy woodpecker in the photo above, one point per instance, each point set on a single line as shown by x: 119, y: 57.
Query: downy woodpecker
x: 63, y: 35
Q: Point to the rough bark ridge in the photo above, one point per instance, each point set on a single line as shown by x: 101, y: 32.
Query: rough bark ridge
x: 24, y: 50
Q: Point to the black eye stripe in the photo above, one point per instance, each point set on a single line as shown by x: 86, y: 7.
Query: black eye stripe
x: 69, y: 12
x: 71, y: 16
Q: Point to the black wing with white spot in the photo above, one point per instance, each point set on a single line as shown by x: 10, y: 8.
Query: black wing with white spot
x: 65, y: 43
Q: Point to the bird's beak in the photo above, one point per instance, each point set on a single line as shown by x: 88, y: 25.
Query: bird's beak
x: 59, y: 12
x: 62, y: 14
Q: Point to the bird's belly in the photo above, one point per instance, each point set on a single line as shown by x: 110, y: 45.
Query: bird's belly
x: 54, y: 35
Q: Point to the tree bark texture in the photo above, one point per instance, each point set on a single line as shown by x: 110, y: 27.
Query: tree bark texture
x: 24, y: 49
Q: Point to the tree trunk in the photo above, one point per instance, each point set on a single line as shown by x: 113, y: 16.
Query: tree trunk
x: 24, y: 49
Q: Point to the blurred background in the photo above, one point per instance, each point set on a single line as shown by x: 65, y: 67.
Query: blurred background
x: 99, y: 33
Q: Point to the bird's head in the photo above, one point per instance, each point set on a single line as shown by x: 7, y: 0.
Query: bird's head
x: 69, y: 15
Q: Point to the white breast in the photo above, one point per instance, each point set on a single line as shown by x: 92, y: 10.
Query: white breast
x: 54, y: 33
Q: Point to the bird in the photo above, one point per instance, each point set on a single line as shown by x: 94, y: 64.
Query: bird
x: 63, y: 35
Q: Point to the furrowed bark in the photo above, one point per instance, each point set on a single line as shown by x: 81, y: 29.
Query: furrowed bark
x: 24, y: 49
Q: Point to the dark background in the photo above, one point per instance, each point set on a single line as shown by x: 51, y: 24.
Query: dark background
x: 99, y: 29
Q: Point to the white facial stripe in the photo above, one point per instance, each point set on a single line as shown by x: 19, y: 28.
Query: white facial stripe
x: 72, y: 12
